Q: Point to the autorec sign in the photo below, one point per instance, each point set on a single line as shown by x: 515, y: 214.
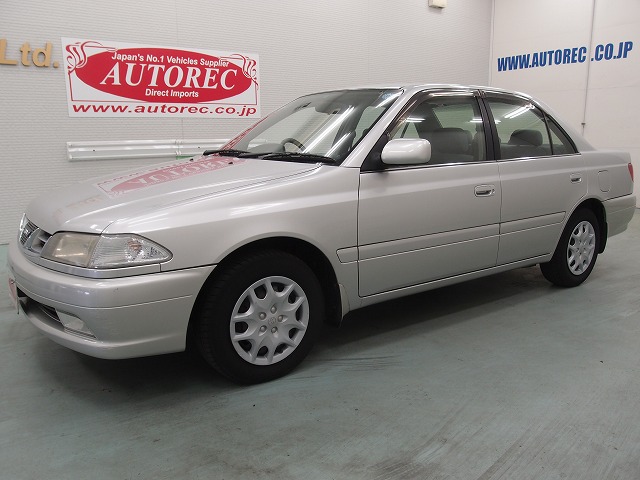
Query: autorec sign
x: 114, y: 79
x: 603, y: 52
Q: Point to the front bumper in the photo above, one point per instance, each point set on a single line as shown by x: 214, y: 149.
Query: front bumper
x: 108, y: 318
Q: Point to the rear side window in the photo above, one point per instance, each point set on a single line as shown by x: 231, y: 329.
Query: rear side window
x: 522, y: 130
x: 525, y: 131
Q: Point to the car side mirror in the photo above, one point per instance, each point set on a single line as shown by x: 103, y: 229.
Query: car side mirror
x: 406, y: 151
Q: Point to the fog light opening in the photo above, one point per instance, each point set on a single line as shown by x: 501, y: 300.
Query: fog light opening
x: 74, y: 324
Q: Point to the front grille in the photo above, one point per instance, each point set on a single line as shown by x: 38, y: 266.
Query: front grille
x: 61, y: 321
x: 33, y: 238
x: 40, y: 311
x: 49, y: 312
x: 28, y: 229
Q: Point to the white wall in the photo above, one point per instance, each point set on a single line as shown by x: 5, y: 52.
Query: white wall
x: 599, y: 98
x: 303, y: 46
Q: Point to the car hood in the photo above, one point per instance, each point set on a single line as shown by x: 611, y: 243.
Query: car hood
x: 92, y: 205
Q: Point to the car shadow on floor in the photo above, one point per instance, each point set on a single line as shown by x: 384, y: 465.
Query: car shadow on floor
x: 139, y: 378
x: 440, y: 307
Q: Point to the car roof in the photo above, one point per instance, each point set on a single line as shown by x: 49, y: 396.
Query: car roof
x: 414, y: 88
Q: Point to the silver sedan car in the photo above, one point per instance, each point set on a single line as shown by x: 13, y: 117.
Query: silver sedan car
x: 336, y: 201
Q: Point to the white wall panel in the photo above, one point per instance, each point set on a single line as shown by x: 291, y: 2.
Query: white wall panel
x: 523, y: 26
x: 602, y: 95
x: 613, y: 102
x: 303, y: 46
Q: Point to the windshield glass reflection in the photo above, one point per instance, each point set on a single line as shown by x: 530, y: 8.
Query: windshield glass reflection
x: 327, y: 125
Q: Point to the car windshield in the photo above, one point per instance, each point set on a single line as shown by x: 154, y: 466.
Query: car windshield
x: 320, y: 127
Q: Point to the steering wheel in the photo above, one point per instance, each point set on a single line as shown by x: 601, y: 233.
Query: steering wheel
x: 293, y: 141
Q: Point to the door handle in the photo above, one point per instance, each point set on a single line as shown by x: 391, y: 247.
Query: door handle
x: 576, y: 178
x: 485, y: 190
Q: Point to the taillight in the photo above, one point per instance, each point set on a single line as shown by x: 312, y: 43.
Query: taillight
x: 630, y: 165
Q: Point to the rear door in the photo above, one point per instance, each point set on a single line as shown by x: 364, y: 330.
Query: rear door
x: 422, y: 223
x: 543, y: 177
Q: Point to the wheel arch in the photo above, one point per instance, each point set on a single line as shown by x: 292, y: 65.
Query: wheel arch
x: 305, y: 251
x: 598, y: 210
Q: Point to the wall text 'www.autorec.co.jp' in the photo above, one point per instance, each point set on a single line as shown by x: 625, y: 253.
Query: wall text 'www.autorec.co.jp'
x: 244, y: 111
x: 565, y: 56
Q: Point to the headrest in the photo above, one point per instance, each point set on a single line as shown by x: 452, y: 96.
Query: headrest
x: 526, y: 137
x: 450, y: 140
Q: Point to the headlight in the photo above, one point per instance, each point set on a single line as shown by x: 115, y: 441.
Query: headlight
x: 103, y: 251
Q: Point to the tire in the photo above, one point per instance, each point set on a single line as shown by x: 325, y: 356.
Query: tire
x: 576, y: 252
x: 260, y: 317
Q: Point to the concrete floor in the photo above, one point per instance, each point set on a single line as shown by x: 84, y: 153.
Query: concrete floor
x: 502, y: 378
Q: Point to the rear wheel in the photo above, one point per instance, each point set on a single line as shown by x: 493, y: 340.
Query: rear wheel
x: 577, y: 251
x: 260, y: 318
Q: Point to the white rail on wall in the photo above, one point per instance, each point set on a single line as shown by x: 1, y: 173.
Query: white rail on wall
x: 131, y: 149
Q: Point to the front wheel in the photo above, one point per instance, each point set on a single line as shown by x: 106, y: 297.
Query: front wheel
x: 576, y: 252
x: 260, y: 317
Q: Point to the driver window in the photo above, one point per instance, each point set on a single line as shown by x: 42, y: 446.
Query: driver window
x: 453, y: 126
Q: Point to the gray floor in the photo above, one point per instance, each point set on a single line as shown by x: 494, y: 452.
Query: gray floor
x: 501, y: 378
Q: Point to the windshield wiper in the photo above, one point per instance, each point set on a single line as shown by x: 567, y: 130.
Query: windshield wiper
x: 224, y: 151
x: 308, y: 157
x: 292, y: 156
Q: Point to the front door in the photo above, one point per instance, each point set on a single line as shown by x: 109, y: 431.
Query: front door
x: 418, y: 224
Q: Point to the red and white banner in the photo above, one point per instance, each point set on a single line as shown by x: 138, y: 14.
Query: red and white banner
x: 115, y: 79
